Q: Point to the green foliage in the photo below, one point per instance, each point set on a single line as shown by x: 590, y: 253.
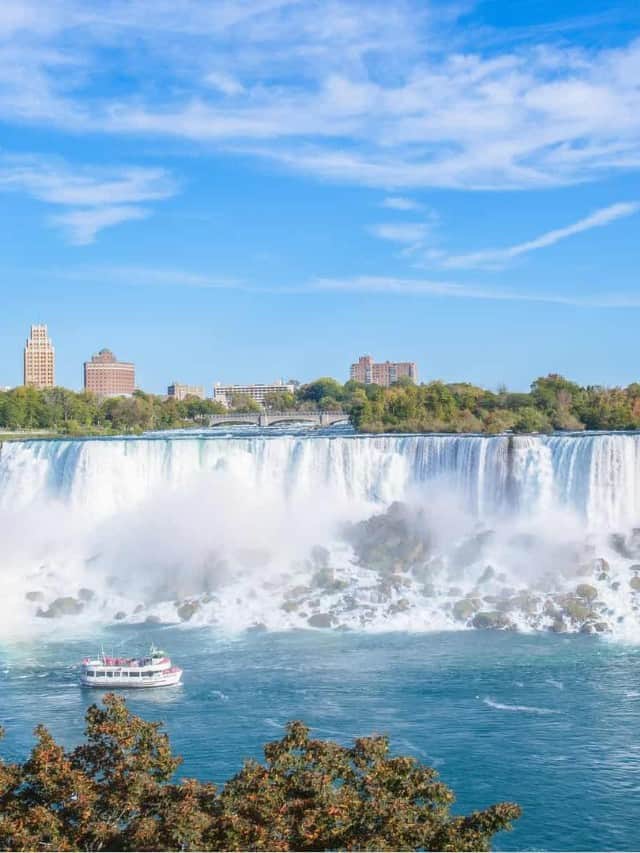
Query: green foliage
x: 554, y: 403
x: 70, y: 413
x: 115, y: 792
x: 244, y: 404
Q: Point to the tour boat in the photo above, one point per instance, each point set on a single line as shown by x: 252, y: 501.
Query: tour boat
x: 153, y: 670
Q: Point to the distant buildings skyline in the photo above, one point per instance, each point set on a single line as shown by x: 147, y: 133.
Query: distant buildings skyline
x: 225, y: 393
x: 39, y: 358
x: 105, y: 376
x: 180, y: 391
x: 383, y: 373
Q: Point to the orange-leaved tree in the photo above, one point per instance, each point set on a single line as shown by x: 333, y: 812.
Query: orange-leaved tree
x: 116, y: 792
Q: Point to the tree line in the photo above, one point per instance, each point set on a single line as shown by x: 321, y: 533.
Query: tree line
x: 117, y: 791
x: 552, y: 403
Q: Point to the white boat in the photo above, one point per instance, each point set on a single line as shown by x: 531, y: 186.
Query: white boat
x: 153, y: 670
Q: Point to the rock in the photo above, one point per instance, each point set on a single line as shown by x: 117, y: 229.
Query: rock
x: 454, y: 592
x: 635, y: 568
x: 391, y: 540
x: 488, y: 574
x: 320, y: 620
x: 399, y: 606
x: 586, y: 592
x: 139, y: 608
x: 299, y: 591
x: 289, y: 606
x: 558, y: 626
x: 592, y: 627
x: 320, y: 556
x: 152, y: 619
x: 575, y: 608
x: 600, y: 566
x: 120, y: 615
x: 526, y: 602
x: 491, y: 619
x: 34, y: 595
x: 257, y: 626
x: 634, y: 583
x: 326, y: 579
x: 465, y: 608
x: 65, y: 606
x: 85, y: 594
x: 615, y: 586
x: 187, y: 609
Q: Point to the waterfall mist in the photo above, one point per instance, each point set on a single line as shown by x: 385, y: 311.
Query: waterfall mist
x: 263, y: 530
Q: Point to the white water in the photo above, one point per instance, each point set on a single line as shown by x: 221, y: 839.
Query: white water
x: 150, y: 521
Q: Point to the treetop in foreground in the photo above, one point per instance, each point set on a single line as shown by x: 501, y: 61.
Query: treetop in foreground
x: 116, y: 792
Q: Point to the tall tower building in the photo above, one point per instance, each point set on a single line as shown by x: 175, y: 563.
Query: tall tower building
x: 39, y: 359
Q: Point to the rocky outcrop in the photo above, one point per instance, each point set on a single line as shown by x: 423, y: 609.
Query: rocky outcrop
x: 321, y: 620
x: 64, y: 606
x: 187, y: 609
x: 493, y: 619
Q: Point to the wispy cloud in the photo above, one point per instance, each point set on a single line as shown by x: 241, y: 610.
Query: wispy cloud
x: 388, y: 94
x: 82, y: 226
x: 497, y: 258
x: 426, y: 287
x: 396, y: 202
x: 407, y: 233
x: 136, y: 276
x: 94, y: 198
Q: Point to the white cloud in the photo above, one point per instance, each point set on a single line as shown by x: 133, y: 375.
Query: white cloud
x: 496, y: 258
x: 82, y: 226
x: 401, y: 203
x: 409, y: 233
x: 388, y: 94
x: 225, y: 83
x: 97, y: 198
x: 364, y: 284
x: 426, y: 287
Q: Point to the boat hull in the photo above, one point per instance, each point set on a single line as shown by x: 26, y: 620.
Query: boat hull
x: 169, y: 679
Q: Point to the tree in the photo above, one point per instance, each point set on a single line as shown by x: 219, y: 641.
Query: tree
x: 279, y: 401
x: 530, y: 419
x: 244, y: 404
x: 324, y: 387
x: 115, y: 792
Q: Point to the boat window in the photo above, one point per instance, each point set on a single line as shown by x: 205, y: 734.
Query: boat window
x: 146, y: 674
x: 99, y: 674
x: 134, y: 675
x: 90, y: 672
x: 124, y: 674
x: 109, y: 675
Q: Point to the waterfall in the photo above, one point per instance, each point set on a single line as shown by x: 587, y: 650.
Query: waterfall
x: 161, y: 512
x: 596, y: 475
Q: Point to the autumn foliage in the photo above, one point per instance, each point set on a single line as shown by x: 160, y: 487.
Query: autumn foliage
x: 115, y: 792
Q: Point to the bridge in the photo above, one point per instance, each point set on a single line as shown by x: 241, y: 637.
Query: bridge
x: 267, y: 419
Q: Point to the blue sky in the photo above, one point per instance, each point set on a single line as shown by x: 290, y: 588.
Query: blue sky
x: 242, y: 190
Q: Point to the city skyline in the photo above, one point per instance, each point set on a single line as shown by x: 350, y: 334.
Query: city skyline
x: 268, y: 186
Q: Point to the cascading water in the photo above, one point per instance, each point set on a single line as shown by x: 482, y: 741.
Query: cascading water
x: 263, y: 530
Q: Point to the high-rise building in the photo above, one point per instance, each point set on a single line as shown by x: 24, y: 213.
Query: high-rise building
x: 39, y: 359
x: 225, y: 393
x: 105, y: 376
x: 180, y: 391
x: 382, y: 373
